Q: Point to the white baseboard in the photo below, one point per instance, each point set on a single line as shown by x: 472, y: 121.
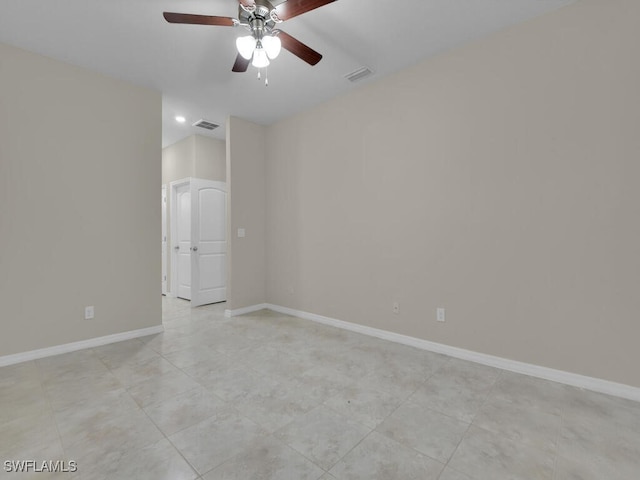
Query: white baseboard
x: 245, y: 310
x: 82, y: 344
x: 573, y: 379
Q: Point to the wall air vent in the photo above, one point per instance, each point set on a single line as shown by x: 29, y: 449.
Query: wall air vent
x: 206, y: 125
x: 358, y: 74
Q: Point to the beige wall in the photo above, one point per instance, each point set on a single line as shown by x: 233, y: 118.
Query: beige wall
x: 80, y: 217
x: 245, y: 209
x: 210, y: 158
x: 499, y: 180
x: 177, y: 160
x: 195, y: 156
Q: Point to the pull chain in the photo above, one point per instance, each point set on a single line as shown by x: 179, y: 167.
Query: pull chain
x: 266, y: 76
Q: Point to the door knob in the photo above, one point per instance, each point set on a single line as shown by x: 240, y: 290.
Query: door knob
x: 195, y: 249
x: 177, y: 247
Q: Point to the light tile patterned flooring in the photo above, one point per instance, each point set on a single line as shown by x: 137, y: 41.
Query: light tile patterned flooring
x: 268, y: 396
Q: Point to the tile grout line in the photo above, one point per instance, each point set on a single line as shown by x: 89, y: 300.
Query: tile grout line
x: 486, y: 398
x: 52, y: 412
x: 339, y: 349
x: 198, y: 475
x: 268, y: 434
x: 141, y: 408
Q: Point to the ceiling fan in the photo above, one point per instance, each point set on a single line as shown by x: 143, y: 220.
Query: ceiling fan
x: 260, y: 18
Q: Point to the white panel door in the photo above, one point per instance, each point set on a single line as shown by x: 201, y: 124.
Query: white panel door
x: 182, y: 244
x: 164, y: 240
x: 208, y: 242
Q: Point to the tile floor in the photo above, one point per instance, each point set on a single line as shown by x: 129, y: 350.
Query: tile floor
x: 268, y: 396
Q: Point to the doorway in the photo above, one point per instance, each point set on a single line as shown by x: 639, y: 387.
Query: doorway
x: 198, y: 238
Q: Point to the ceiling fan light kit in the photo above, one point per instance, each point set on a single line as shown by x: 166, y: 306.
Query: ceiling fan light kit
x: 260, y: 59
x: 272, y: 45
x: 246, y: 45
x: 264, y: 41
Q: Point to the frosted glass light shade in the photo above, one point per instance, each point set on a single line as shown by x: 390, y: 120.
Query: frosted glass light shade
x: 260, y: 59
x: 272, y: 46
x: 246, y: 46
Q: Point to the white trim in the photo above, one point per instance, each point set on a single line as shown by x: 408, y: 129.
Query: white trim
x: 245, y: 310
x: 82, y: 344
x: 173, y: 213
x: 165, y: 243
x: 574, y: 379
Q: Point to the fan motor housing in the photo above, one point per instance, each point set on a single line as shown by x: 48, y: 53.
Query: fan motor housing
x: 262, y: 10
x: 258, y: 18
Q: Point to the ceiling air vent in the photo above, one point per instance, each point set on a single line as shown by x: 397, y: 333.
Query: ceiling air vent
x: 358, y: 74
x: 206, y: 125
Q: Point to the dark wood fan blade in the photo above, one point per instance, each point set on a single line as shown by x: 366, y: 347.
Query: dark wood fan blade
x: 293, y: 8
x: 241, y: 64
x: 198, y: 19
x: 298, y: 48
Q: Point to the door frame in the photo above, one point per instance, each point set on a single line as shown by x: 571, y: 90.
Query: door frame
x: 165, y: 243
x: 173, y: 225
x: 173, y: 206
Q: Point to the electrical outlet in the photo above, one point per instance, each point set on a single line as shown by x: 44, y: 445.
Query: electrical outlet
x: 88, y: 313
x: 440, y: 314
x: 396, y: 307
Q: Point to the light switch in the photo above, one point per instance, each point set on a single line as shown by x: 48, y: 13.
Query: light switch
x: 241, y: 233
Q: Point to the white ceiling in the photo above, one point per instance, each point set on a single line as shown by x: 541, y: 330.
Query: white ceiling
x: 191, y: 64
